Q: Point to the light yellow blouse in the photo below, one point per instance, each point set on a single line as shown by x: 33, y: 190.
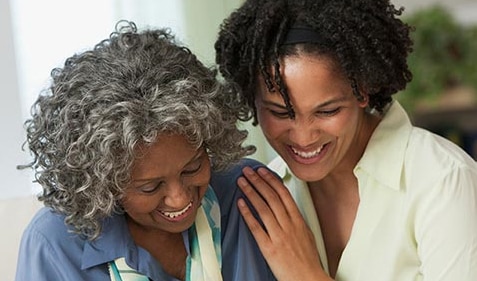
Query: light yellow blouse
x: 417, y: 218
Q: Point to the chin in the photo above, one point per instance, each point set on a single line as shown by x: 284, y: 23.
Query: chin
x: 306, y: 173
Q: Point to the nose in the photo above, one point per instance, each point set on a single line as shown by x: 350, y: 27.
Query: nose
x: 303, y: 132
x: 176, y: 195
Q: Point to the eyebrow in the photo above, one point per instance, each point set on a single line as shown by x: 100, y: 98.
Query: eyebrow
x: 194, y: 158
x: 326, y: 103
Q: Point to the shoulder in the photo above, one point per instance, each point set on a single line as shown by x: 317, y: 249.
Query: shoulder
x: 48, y: 224
x: 436, y: 154
x: 47, y: 232
x: 435, y: 165
x: 224, y: 182
x: 236, y: 169
x: 47, y: 248
x: 241, y: 257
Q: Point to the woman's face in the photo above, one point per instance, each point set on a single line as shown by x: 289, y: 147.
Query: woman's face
x: 326, y: 132
x: 168, y: 183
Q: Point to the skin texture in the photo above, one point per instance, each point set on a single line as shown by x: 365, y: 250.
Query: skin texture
x: 328, y: 119
x: 321, y: 146
x: 124, y: 91
x: 281, y: 218
x: 160, y: 186
x: 176, y: 185
x: 309, y: 94
x: 365, y: 38
x: 132, y: 126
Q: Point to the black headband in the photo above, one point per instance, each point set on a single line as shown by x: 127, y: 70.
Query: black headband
x: 301, y: 34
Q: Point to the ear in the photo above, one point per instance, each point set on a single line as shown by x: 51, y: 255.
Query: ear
x: 361, y: 94
x: 363, y: 99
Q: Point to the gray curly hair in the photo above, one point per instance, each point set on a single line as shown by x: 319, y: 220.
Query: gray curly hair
x: 105, y: 101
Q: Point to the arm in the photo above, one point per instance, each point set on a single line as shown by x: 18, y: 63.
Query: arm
x: 241, y: 256
x: 446, y: 228
x: 286, y: 242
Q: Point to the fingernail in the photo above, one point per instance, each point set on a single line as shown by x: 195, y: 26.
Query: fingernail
x: 262, y: 171
x: 248, y: 171
x: 241, y: 202
x: 241, y: 181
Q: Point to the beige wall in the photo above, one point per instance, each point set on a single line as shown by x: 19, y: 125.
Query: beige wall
x: 202, y: 20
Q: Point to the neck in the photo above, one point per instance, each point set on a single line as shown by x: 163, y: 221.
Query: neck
x: 167, y: 248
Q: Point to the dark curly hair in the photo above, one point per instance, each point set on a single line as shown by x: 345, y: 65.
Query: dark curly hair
x: 106, y: 101
x: 365, y: 40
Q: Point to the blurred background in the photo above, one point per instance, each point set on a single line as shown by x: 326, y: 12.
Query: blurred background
x: 38, y: 35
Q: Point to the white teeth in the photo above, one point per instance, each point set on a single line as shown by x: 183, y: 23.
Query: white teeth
x: 307, y: 154
x: 178, y: 213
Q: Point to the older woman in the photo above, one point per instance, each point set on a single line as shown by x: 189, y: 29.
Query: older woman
x: 123, y: 143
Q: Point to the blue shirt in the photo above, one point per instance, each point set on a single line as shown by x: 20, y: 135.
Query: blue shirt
x: 49, y: 252
x: 241, y: 257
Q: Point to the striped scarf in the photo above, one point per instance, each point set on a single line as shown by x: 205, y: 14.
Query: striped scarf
x: 204, y: 263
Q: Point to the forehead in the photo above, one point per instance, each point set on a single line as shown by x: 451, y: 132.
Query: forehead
x: 166, y: 153
x: 304, y: 76
x: 307, y: 66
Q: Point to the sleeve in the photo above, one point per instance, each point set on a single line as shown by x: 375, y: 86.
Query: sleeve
x: 241, y: 256
x: 446, y: 231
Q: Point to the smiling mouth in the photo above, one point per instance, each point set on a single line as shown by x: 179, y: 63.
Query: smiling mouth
x: 176, y: 214
x: 307, y: 154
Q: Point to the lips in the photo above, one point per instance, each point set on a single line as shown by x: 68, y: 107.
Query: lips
x: 307, y: 154
x: 173, y: 215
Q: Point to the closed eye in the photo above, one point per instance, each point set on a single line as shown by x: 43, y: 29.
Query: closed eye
x: 328, y: 112
x: 280, y: 114
x: 151, y: 187
x: 193, y: 169
x: 191, y: 172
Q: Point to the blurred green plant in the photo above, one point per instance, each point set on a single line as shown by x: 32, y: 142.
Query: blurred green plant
x: 444, y: 56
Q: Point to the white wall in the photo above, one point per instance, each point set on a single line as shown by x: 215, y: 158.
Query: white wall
x: 13, y: 182
x: 39, y: 35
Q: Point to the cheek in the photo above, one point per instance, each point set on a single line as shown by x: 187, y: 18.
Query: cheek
x: 344, y: 128
x: 140, y: 204
x: 201, y: 181
x: 337, y: 126
x: 270, y: 125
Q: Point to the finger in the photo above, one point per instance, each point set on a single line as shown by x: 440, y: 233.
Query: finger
x: 269, y: 194
x: 261, y: 207
x: 260, y: 235
x: 281, y: 190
